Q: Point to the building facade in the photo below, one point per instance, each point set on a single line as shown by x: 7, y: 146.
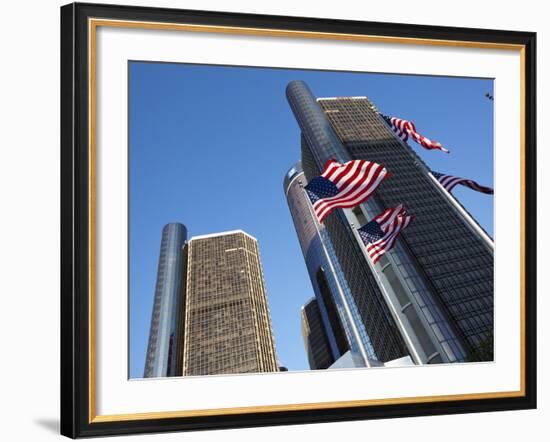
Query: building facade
x: 226, y: 324
x: 316, y: 343
x: 341, y: 320
x: 431, y: 297
x: 161, y: 358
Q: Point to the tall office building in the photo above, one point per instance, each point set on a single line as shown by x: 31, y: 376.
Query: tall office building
x: 316, y: 343
x: 338, y: 312
x: 160, y: 360
x: 226, y: 324
x: 431, y: 297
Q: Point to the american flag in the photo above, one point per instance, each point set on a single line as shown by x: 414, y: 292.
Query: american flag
x: 344, y: 185
x: 405, y: 129
x: 379, y: 235
x: 449, y: 182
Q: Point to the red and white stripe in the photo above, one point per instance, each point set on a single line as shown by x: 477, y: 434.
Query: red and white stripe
x: 405, y: 129
x: 356, y: 180
x: 449, y: 182
x: 391, y: 221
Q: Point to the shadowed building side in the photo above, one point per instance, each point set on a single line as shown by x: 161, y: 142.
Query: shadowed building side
x: 315, y: 337
x: 181, y: 311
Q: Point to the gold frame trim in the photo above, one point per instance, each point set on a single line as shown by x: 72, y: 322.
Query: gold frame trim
x: 93, y: 24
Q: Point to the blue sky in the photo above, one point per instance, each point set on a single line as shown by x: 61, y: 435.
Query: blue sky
x: 210, y: 145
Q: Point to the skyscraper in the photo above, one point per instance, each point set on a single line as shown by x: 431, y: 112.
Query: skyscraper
x: 432, y: 296
x: 226, y: 324
x: 160, y: 360
x: 340, y: 317
x: 316, y: 342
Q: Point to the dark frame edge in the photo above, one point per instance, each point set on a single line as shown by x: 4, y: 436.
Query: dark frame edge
x: 169, y: 425
x: 530, y: 220
x: 74, y: 395
x: 68, y: 400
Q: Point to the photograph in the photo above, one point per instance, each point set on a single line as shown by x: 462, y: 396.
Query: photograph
x: 293, y: 220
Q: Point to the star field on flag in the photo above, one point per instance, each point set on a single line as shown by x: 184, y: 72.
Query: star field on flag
x: 344, y: 185
x: 380, y: 234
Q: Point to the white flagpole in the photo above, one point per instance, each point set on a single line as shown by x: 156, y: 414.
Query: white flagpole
x: 340, y: 291
x: 389, y: 301
x: 467, y: 217
x: 470, y: 222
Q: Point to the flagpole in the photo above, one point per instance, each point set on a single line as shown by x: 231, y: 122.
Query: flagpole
x: 472, y: 224
x: 386, y: 295
x: 340, y: 291
x: 468, y: 218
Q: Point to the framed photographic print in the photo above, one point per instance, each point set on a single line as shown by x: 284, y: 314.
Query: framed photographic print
x: 275, y: 220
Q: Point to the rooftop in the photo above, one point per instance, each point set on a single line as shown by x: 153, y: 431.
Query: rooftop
x: 229, y: 232
x: 341, y: 98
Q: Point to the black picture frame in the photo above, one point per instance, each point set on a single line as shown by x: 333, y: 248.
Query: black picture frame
x: 75, y: 220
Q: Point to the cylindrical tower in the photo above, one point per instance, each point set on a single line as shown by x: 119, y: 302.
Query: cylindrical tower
x: 161, y: 350
x: 343, y: 326
x: 316, y: 128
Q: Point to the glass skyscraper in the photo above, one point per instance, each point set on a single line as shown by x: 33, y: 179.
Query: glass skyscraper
x: 340, y: 317
x: 431, y: 297
x: 160, y: 360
